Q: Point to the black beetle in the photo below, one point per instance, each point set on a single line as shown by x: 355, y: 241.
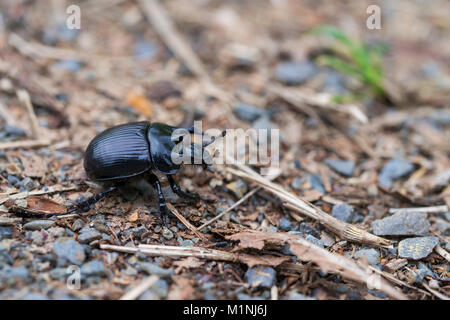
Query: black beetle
x: 135, y: 150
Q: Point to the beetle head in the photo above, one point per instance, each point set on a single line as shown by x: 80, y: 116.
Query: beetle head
x: 170, y: 147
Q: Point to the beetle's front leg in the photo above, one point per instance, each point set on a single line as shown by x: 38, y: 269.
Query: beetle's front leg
x: 194, y: 197
x: 163, y: 211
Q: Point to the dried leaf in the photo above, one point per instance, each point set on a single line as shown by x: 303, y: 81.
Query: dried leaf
x: 34, y: 166
x: 190, y: 262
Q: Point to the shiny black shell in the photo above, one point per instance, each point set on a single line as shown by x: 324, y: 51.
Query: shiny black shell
x: 130, y: 149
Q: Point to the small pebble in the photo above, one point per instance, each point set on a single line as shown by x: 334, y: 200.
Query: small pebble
x: 372, y: 255
x: 70, y: 250
x: 89, y: 236
x: 261, y: 276
x: 238, y: 187
x: 394, y: 169
x: 417, y: 248
x: 314, y: 240
x: 285, y: 224
x: 295, y: 73
x: 167, y: 233
x: 402, y: 224
x: 152, y: 268
x: 94, y: 268
x: 343, y: 212
x: 297, y: 184
x: 344, y: 167
x: 39, y: 224
x: 248, y: 112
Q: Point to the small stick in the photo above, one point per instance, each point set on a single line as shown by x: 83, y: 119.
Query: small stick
x: 444, y: 253
x: 157, y: 250
x: 248, y: 195
x: 140, y: 289
x: 24, y: 144
x: 434, y: 209
x: 435, y: 292
x: 184, y: 221
x: 342, y: 229
x: 163, y: 25
x: 26, y: 194
x: 395, y: 280
x: 24, y: 98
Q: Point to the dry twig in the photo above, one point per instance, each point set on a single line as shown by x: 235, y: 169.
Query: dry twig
x: 184, y: 221
x: 140, y: 289
x: 307, y: 251
x: 198, y: 252
x: 342, y: 229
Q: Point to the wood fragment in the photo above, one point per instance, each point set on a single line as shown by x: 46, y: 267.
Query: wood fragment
x: 307, y: 251
x: 198, y: 252
x: 434, y: 209
x: 237, y: 203
x: 24, y: 98
x: 185, y: 222
x: 26, y: 194
x: 441, y: 251
x: 25, y: 144
x: 136, y: 292
x: 435, y: 292
x: 342, y: 229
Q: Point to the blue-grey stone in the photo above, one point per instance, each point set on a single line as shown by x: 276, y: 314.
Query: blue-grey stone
x: 187, y: 243
x: 89, y: 235
x: 334, y: 83
x: 372, y: 255
x: 157, y: 291
x: 137, y: 232
x: 314, y: 240
x: 13, y: 180
x: 394, y: 169
x: 259, y: 276
x: 417, y: 248
x: 39, y: 224
x: 297, y: 184
x: 295, y: 72
x: 344, y: 167
x: 152, y: 268
x: 20, y: 272
x: 285, y: 224
x: 145, y: 50
x: 27, y: 184
x: 316, y: 182
x: 13, y: 131
x: 343, y: 212
x: 248, y: 112
x: 70, y: 250
x: 94, y: 268
x: 58, y: 273
x: 5, y: 232
x: 69, y: 65
x: 402, y: 224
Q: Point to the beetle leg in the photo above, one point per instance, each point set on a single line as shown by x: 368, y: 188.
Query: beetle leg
x: 163, y: 211
x: 182, y: 194
x: 86, y: 205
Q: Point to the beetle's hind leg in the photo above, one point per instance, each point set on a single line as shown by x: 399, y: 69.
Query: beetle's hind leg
x: 193, y: 197
x: 86, y: 205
